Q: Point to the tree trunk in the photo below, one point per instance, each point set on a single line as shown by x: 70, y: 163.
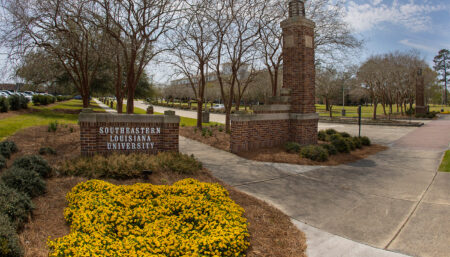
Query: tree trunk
x: 130, y: 100
x: 119, y: 105
x: 331, y: 110
x: 85, y: 101
x: 375, y: 106
x: 228, y: 120
x: 199, y: 113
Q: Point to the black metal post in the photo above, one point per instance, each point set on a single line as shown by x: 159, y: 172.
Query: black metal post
x: 359, y: 119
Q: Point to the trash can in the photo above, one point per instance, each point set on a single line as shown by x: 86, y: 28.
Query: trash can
x: 205, y: 117
x: 343, y: 112
x: 150, y: 109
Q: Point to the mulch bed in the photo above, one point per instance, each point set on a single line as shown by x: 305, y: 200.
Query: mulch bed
x: 279, y: 155
x: 272, y: 232
x: 221, y: 140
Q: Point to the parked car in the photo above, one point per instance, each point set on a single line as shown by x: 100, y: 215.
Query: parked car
x: 218, y: 107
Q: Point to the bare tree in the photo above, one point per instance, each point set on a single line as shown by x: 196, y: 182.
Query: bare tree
x: 333, y: 38
x: 193, y: 47
x: 237, y: 32
x: 136, y: 26
x: 61, y: 28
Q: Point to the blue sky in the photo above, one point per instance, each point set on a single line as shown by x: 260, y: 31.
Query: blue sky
x: 390, y: 25
x: 384, y: 25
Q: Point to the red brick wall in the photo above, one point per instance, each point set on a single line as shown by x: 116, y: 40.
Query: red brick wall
x: 299, y: 68
x: 304, y: 132
x: 92, y: 142
x: 249, y: 135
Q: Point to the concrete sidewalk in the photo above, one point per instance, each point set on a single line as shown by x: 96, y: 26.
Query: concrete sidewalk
x: 392, y: 201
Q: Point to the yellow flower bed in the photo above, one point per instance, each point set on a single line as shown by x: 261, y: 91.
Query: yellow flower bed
x: 189, y: 218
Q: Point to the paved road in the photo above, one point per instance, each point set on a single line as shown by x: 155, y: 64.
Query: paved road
x: 394, y: 200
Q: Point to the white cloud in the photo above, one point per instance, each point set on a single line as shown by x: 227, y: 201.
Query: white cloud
x: 419, y: 46
x: 412, y: 16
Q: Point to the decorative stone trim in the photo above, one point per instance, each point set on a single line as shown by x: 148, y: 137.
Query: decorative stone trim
x: 128, y: 133
x: 259, y: 117
x: 304, y: 116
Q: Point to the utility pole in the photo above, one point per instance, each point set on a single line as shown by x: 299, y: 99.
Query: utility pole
x: 445, y: 81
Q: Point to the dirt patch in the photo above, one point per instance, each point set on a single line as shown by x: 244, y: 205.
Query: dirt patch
x: 279, y: 155
x: 66, y: 142
x: 271, y: 231
x: 218, y: 139
x: 9, y: 114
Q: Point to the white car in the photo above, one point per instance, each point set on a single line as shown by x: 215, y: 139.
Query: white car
x: 2, y: 94
x: 218, y: 107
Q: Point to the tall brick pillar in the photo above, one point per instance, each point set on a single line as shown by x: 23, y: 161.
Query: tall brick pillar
x: 420, y: 94
x: 299, y: 73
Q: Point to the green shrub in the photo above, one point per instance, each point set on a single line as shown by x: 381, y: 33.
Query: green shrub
x: 220, y: 129
x: 61, y: 98
x: 357, y: 142
x: 315, y: 153
x: 53, y: 126
x: 23, y: 101
x: 365, y: 141
x: 292, y: 147
x: 340, y: 143
x: 9, y: 241
x: 331, y: 149
x: 7, y: 148
x: 47, y: 150
x: 14, y: 102
x: 344, y: 134
x: 35, y: 163
x: 26, y: 181
x: 350, y: 143
x: 330, y: 131
x: 43, y: 99
x: 129, y: 166
x: 4, y: 105
x: 322, y: 136
x: 2, y: 162
x: 16, y: 205
x: 179, y: 163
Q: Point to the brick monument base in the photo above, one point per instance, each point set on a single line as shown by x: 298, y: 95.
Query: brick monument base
x: 102, y: 133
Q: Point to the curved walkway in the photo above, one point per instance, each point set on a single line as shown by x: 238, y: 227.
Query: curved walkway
x: 394, y: 201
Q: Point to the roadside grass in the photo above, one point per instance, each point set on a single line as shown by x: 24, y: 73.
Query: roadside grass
x: 43, y: 116
x: 70, y: 105
x: 9, y: 126
x: 445, y: 165
x: 184, y: 122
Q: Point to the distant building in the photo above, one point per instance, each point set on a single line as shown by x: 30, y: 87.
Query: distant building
x: 11, y: 87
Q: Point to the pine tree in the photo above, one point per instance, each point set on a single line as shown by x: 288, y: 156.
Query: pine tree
x: 442, y: 66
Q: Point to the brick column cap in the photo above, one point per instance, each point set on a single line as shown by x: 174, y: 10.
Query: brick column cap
x: 127, y: 118
x: 297, y: 21
x: 304, y: 116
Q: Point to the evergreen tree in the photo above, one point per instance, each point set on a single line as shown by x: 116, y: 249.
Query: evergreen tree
x: 442, y: 66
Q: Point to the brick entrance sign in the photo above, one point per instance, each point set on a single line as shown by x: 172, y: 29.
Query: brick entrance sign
x: 102, y: 133
x: 420, y: 94
x: 291, y: 116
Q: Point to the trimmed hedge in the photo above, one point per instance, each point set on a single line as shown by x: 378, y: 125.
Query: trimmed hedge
x: 7, y: 148
x: 2, y: 162
x: 365, y: 141
x: 14, y: 204
x: 322, y: 136
x: 14, y: 102
x: 315, y: 153
x: 26, y: 181
x: 340, y: 143
x: 9, y: 241
x: 292, y: 147
x: 61, y: 98
x: 357, y: 142
x: 47, y: 150
x: 4, y: 104
x: 43, y: 99
x: 130, y: 166
x: 331, y: 149
x: 331, y: 132
x: 35, y: 163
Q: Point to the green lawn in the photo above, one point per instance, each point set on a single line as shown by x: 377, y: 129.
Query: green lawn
x: 445, y: 165
x: 367, y: 111
x: 44, y: 116
x: 70, y: 105
x: 186, y: 122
